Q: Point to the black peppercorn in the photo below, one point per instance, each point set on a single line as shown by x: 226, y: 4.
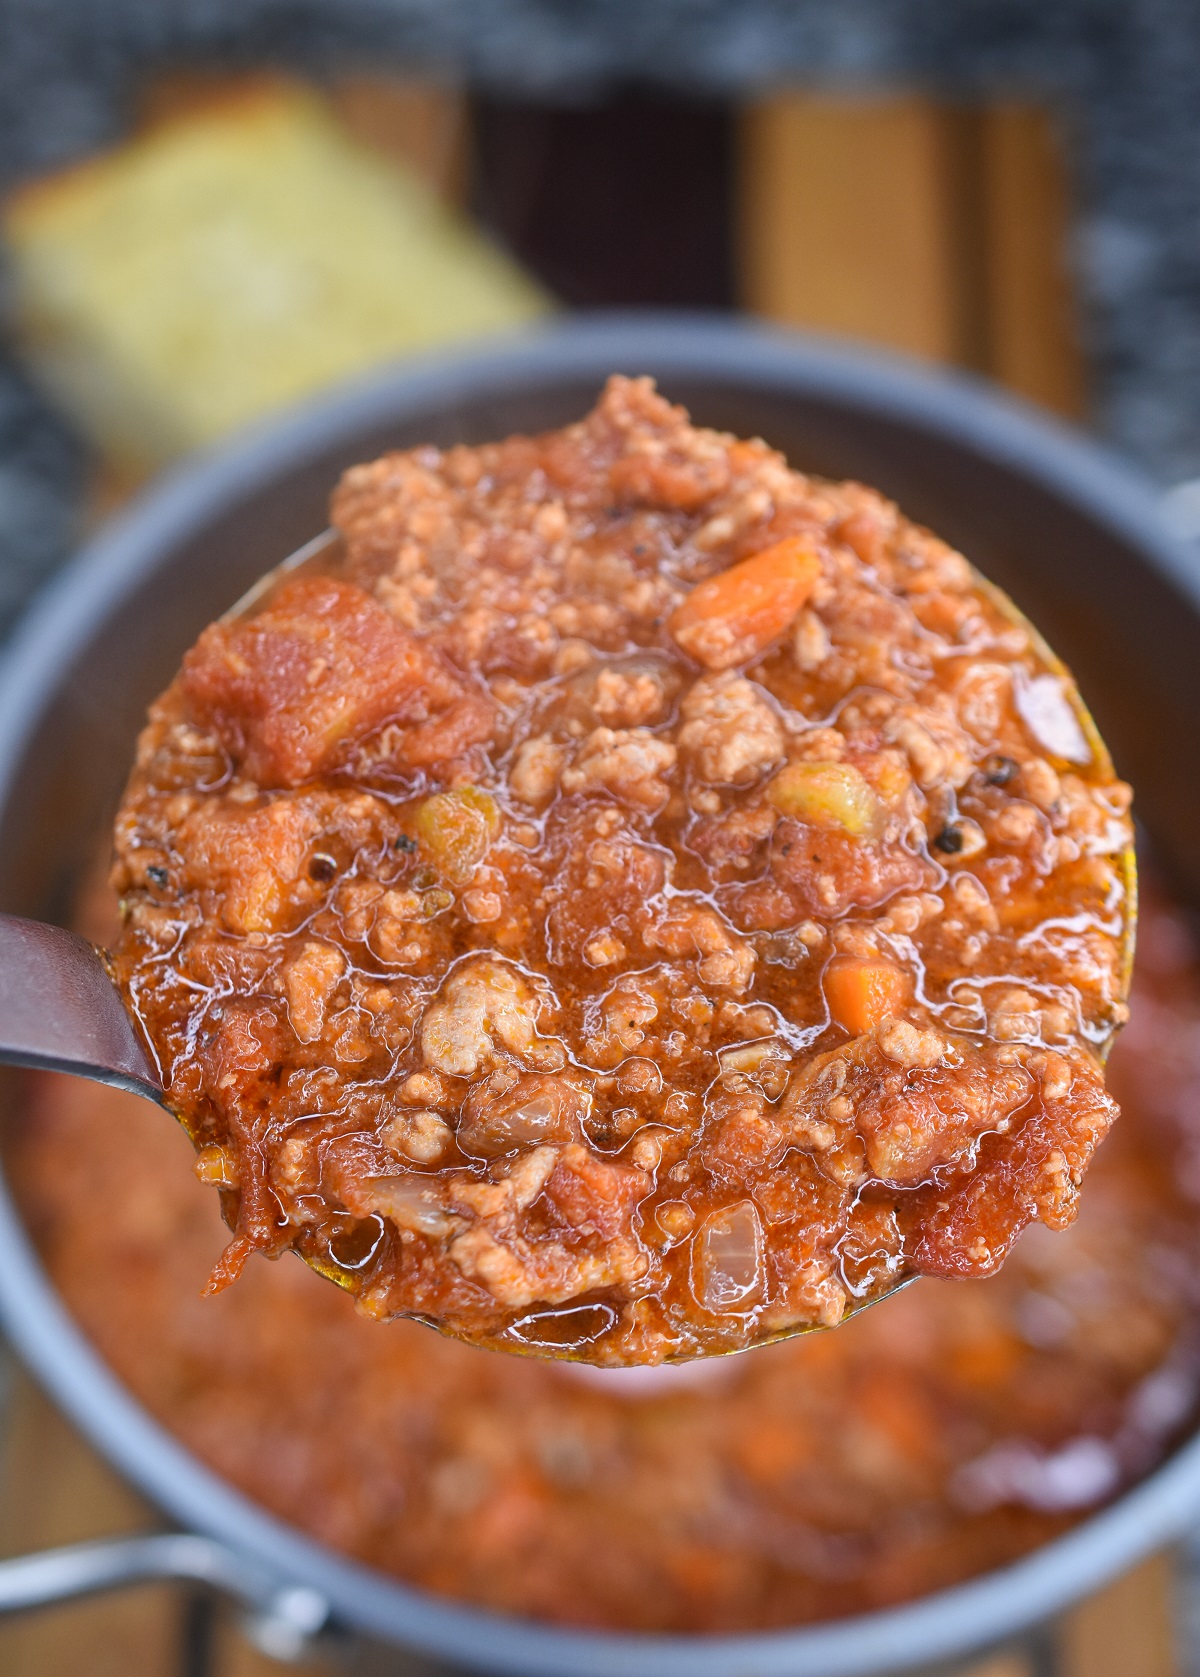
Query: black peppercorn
x: 949, y: 840
x: 998, y: 771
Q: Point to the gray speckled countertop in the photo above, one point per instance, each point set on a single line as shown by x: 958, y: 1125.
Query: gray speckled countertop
x: 1124, y: 76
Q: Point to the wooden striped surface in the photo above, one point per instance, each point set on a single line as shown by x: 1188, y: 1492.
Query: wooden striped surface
x: 928, y: 228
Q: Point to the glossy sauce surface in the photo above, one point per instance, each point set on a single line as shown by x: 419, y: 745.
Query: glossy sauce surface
x: 644, y: 902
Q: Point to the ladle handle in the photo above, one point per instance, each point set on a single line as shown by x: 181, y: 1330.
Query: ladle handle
x: 60, y: 1011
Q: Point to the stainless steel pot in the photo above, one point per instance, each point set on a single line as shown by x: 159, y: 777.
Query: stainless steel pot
x: 1069, y: 531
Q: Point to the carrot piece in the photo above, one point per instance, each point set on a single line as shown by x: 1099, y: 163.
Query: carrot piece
x: 737, y: 614
x: 862, y: 992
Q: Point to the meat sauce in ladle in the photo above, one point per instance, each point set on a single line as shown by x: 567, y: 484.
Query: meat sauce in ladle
x: 622, y: 899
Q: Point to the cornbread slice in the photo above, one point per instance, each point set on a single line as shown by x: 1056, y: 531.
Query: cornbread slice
x: 239, y: 258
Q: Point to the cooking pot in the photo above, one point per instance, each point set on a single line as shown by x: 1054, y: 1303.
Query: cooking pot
x: 1067, y: 529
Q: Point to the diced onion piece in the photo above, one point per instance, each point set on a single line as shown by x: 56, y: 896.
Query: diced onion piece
x: 862, y: 992
x: 499, y: 1130
x: 746, y: 1056
x: 727, y: 1259
x: 501, y: 1115
x: 455, y: 829
x: 410, y: 1204
x: 828, y: 795
x: 1050, y: 717
x: 734, y: 616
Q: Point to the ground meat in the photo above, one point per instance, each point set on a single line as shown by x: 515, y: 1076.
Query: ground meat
x: 625, y: 697
x: 310, y: 981
x: 629, y: 762
x: 536, y: 770
x: 637, y: 883
x: 729, y: 730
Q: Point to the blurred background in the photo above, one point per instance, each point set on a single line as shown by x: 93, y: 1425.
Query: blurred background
x: 212, y: 210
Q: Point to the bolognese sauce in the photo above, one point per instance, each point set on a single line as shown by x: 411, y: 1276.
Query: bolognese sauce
x: 639, y: 901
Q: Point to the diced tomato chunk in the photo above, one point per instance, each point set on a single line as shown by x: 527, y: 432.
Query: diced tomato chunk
x: 323, y: 666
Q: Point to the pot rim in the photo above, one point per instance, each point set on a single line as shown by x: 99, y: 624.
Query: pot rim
x: 950, y: 1622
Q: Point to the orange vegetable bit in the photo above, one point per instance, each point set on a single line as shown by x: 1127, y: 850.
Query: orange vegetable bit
x: 862, y: 992
x: 736, y: 615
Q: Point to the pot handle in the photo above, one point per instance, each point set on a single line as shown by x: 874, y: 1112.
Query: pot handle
x: 286, y: 1617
